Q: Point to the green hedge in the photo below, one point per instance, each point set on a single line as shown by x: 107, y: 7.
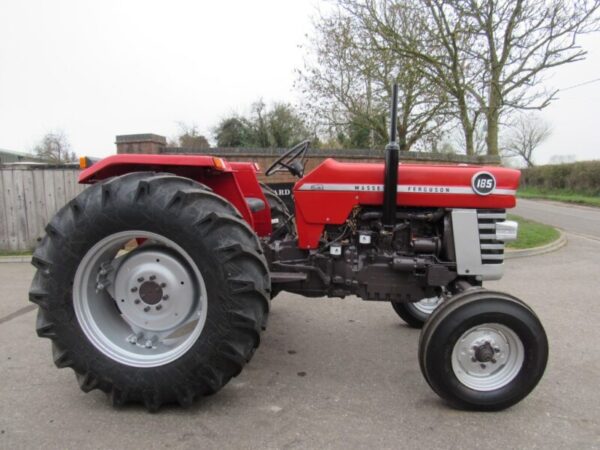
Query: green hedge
x: 580, y: 177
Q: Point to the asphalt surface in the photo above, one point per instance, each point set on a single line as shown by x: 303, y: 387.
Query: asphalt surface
x: 329, y: 374
x: 582, y: 220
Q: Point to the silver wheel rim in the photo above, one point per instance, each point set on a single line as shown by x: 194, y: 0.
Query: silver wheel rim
x: 144, y: 305
x: 487, y: 357
x: 427, y: 305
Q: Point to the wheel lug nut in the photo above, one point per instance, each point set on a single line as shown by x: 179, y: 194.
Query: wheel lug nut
x: 473, y: 359
x: 158, y: 307
x: 137, y: 301
x: 497, y: 350
x: 163, y: 285
x: 146, y: 309
x: 148, y: 343
x: 482, y: 366
x: 140, y: 279
x: 134, y: 289
x: 165, y: 297
x: 493, y: 361
x: 152, y: 277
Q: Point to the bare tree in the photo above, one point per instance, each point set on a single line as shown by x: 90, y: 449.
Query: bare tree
x: 520, y: 41
x: 189, y: 137
x: 525, y: 137
x: 55, y: 147
x: 436, y: 45
x: 348, y: 80
x: 478, y: 139
x: 490, y: 56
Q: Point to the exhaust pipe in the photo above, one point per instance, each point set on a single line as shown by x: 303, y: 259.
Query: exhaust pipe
x: 390, y: 180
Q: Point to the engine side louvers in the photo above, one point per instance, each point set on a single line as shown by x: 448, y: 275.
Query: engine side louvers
x: 492, y: 250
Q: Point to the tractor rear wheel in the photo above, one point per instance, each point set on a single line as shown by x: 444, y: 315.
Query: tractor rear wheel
x: 483, y: 350
x: 151, y: 288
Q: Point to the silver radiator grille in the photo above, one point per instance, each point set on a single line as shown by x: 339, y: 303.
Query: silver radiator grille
x: 492, y: 250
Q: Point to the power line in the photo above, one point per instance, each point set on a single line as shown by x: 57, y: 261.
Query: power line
x: 595, y: 80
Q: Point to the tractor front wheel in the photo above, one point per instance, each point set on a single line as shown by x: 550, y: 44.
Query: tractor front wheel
x: 483, y: 350
x: 151, y: 288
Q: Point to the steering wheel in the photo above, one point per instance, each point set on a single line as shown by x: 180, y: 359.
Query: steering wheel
x: 289, y: 160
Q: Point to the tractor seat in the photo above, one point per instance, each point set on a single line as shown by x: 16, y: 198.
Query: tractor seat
x: 255, y: 204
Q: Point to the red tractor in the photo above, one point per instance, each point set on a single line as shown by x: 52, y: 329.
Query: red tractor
x: 154, y: 284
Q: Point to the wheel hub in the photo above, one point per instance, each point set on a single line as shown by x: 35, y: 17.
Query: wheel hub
x: 487, y: 357
x: 150, y: 292
x: 484, y: 352
x: 159, y: 292
x: 155, y: 289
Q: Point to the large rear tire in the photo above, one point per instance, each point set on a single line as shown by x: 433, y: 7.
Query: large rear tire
x: 151, y: 288
x: 483, y: 350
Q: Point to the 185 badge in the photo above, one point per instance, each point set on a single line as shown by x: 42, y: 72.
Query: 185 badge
x: 483, y: 183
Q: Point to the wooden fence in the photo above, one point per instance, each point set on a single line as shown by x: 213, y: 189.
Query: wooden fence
x: 29, y: 197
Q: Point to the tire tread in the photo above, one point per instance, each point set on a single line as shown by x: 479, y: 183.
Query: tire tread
x: 208, y: 215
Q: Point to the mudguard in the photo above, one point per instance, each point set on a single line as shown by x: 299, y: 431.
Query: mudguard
x: 233, y: 181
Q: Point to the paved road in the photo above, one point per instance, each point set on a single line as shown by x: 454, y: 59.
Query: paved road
x: 571, y: 218
x: 329, y: 374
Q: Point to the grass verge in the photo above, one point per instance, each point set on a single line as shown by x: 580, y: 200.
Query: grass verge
x: 15, y: 253
x: 532, y: 234
x: 560, y: 196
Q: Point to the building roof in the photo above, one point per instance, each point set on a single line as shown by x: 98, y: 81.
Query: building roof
x: 12, y: 156
x: 12, y: 152
x: 145, y: 137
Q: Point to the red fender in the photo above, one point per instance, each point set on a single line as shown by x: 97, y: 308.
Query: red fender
x: 233, y: 181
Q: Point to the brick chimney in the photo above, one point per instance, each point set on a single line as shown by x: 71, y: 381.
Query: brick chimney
x: 141, y: 143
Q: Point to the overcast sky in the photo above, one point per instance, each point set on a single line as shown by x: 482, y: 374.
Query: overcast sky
x: 98, y: 69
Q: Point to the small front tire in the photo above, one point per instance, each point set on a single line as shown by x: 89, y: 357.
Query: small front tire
x: 483, y: 350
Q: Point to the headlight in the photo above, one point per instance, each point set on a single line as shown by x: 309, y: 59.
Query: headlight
x: 507, y: 230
